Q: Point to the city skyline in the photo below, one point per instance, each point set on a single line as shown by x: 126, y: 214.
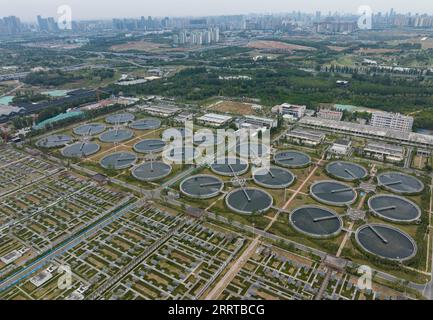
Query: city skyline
x: 28, y: 11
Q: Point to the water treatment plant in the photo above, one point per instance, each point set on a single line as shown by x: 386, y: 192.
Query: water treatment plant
x: 118, y: 160
x: 116, y: 136
x: 249, y: 201
x: 202, y: 187
x: 316, y: 222
x: 273, y: 178
x: 91, y: 129
x: 120, y: 118
x: 292, y: 159
x: 386, y: 242
x: 346, y: 171
x: 400, y: 183
x: 230, y: 166
x: 150, y: 146
x: 54, y: 141
x: 333, y: 193
x: 80, y: 150
x: 151, y: 171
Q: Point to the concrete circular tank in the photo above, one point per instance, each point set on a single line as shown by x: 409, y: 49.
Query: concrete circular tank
x: 80, y: 150
x: 179, y: 132
x: 120, y: 118
x: 118, y: 160
x: 230, y: 166
x: 292, y: 159
x: 249, y: 201
x: 386, y: 242
x: 181, y: 155
x: 116, y: 135
x: 273, y: 178
x: 202, y: 187
x: 54, y: 141
x: 333, y: 193
x: 400, y: 183
x: 346, y: 171
x: 146, y: 124
x: 203, y: 139
x: 394, y: 208
x: 151, y: 171
x: 91, y: 129
x: 150, y: 145
x: 316, y: 222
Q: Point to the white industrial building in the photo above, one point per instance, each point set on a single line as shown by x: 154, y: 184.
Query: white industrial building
x: 384, y: 151
x: 308, y: 137
x: 395, y: 121
x: 161, y: 111
x: 257, y: 122
x: 341, y: 147
x: 330, y: 114
x: 296, y: 111
x: 367, y: 131
x: 214, y: 120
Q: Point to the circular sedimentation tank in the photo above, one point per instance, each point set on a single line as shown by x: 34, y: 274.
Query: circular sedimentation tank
x: 394, y: 208
x: 249, y: 201
x: 400, y: 183
x: 333, y: 193
x: 120, y: 118
x: 273, y: 178
x: 150, y: 145
x: 151, y: 171
x: 54, y: 141
x: 80, y: 149
x: 386, y: 242
x: 316, y: 222
x: 145, y: 124
x: 252, y: 151
x: 230, y: 166
x: 91, y: 129
x: 116, y: 135
x: 181, y: 154
x: 203, y: 139
x: 118, y: 160
x: 178, y: 132
x: 292, y: 159
x: 346, y: 171
x: 202, y: 187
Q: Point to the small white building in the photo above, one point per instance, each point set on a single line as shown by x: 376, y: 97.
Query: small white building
x: 341, y: 147
x: 258, y: 122
x: 11, y: 257
x: 296, y: 111
x: 214, y: 120
x: 41, y: 278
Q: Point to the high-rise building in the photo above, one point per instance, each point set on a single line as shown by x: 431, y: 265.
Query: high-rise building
x: 395, y: 121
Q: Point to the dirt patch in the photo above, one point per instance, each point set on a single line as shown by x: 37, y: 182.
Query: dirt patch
x: 138, y: 46
x: 337, y: 49
x: 376, y: 51
x: 232, y: 107
x: 277, y: 45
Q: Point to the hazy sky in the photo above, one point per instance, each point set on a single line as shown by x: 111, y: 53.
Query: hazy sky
x: 27, y: 10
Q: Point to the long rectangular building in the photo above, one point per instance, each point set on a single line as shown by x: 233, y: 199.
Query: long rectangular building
x: 395, y: 121
x: 367, y: 131
x: 309, y: 137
